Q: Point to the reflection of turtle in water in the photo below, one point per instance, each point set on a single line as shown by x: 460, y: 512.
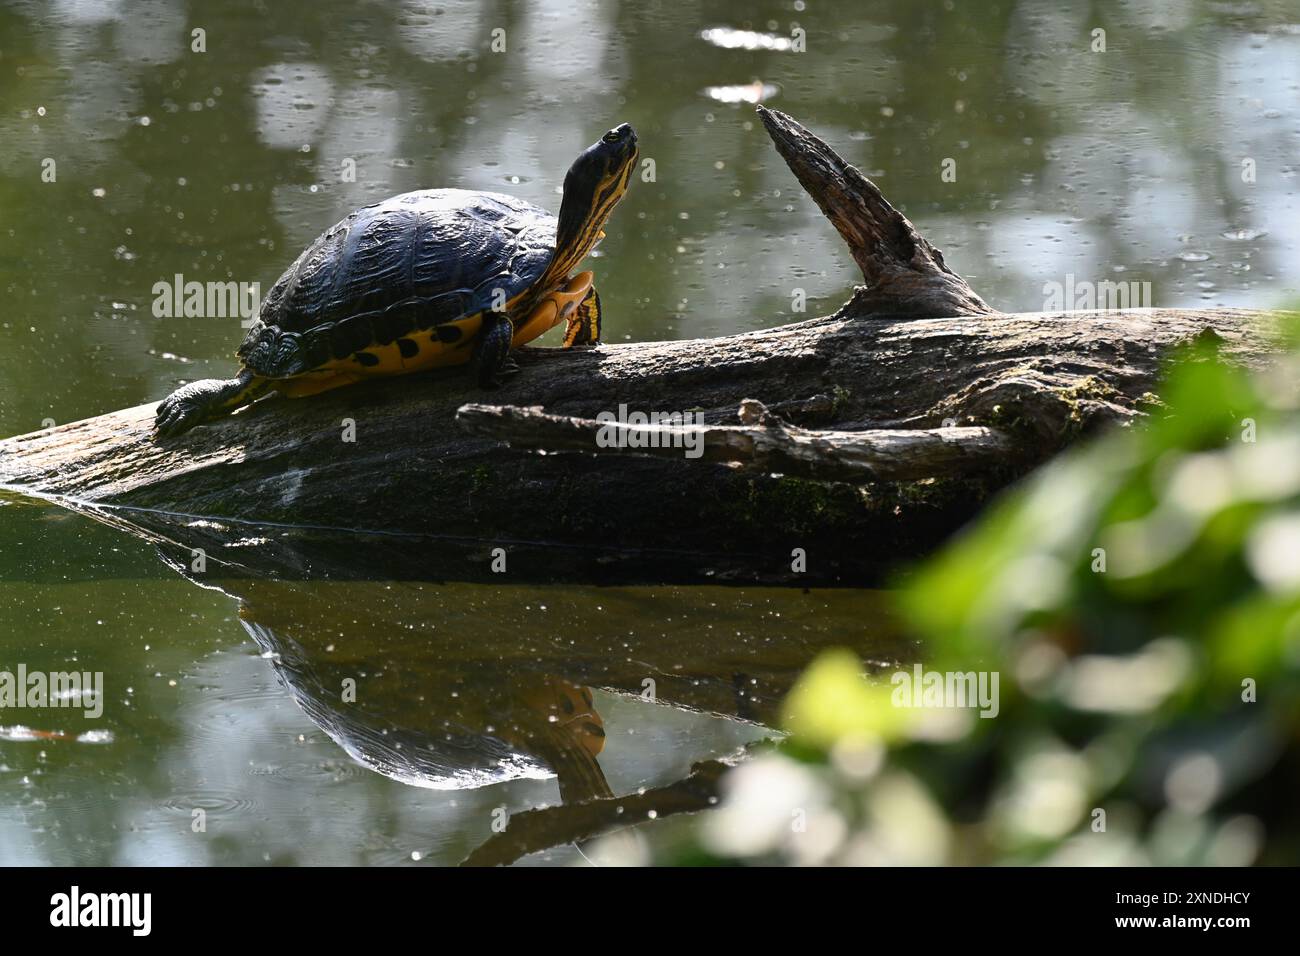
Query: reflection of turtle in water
x: 424, y: 279
x: 455, y: 691
x: 420, y: 717
x: 570, y: 738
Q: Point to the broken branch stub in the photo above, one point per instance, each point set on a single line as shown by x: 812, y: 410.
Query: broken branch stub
x: 905, y: 274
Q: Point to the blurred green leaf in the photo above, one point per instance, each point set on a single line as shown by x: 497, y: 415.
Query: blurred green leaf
x: 1140, y: 599
x: 832, y: 700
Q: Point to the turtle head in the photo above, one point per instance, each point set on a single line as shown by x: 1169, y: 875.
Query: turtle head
x: 596, y: 182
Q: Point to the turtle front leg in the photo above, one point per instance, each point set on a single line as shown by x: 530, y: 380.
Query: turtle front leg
x: 205, y: 400
x: 492, y: 360
x: 584, y: 322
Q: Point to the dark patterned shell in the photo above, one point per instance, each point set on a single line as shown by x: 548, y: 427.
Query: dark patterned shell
x: 407, y: 264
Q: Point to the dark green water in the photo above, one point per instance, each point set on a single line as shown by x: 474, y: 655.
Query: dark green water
x: 222, y: 165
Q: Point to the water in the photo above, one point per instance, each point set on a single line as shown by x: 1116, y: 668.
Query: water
x: 222, y: 165
x: 231, y: 699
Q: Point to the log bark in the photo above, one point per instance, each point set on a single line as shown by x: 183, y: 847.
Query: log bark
x: 882, y: 429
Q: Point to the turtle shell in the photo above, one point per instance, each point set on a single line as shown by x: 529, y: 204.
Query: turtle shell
x: 399, y: 271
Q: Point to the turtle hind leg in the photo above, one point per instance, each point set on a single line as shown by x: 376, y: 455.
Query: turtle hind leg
x: 584, y: 322
x: 205, y: 400
x: 492, y: 362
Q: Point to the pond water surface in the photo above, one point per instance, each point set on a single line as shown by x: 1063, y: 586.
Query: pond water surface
x: 1169, y: 159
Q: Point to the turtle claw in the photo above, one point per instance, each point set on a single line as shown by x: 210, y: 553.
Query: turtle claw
x: 175, y: 416
x: 184, y: 408
x: 204, y: 400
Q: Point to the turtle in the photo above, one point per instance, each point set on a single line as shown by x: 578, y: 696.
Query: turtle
x: 428, y: 278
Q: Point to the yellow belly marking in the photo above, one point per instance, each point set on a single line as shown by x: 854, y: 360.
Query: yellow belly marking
x: 432, y: 351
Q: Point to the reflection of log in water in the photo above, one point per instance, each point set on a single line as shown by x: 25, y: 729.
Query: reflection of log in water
x: 540, y: 829
x: 451, y: 653
x: 462, y: 685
